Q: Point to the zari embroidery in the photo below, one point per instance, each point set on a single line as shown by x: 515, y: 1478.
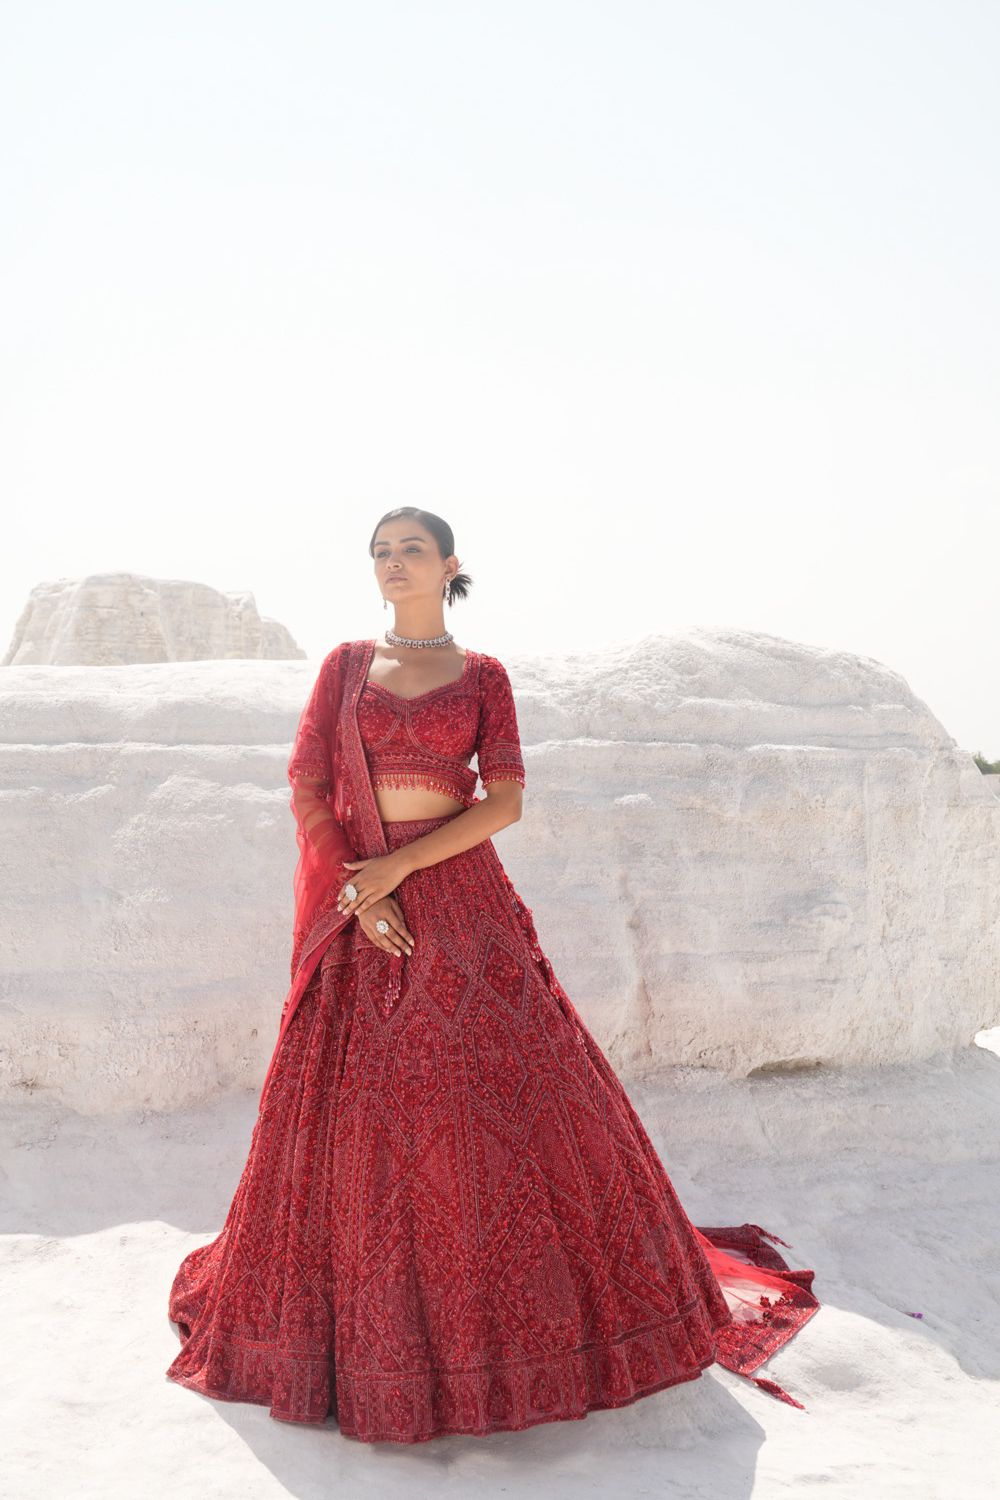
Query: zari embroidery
x: 429, y: 740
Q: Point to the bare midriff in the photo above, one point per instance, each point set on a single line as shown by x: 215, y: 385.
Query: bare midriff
x: 405, y: 803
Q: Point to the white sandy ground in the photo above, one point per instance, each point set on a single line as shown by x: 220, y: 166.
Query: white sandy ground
x: 884, y: 1181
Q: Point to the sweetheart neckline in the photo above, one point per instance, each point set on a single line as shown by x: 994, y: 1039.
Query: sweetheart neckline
x: 428, y: 692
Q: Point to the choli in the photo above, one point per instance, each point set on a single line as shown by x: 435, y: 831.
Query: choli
x: 429, y: 739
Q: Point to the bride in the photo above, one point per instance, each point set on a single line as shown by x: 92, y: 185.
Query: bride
x: 450, y: 1219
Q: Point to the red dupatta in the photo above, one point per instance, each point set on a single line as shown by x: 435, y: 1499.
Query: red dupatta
x: 336, y: 815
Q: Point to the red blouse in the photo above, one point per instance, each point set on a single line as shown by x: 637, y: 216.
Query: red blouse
x: 429, y: 739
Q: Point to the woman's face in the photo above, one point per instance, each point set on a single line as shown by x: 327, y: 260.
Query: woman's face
x: 408, y: 564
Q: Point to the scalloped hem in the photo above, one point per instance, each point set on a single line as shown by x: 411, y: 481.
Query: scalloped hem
x: 194, y: 1383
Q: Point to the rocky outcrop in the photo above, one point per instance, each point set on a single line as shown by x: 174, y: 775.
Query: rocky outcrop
x: 117, y: 619
x: 741, y: 853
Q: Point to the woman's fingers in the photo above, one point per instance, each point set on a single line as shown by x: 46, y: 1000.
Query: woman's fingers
x: 387, y: 941
x: 380, y: 939
x: 398, y: 937
x: 343, y: 904
x: 398, y: 927
x: 401, y: 926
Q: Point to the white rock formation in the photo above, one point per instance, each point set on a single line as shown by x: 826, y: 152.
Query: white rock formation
x: 742, y: 853
x: 114, y: 619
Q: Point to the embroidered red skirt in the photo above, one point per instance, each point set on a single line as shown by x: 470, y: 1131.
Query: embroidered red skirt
x: 451, y: 1219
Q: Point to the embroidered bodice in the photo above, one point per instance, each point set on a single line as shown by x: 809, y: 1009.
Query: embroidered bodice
x: 428, y: 740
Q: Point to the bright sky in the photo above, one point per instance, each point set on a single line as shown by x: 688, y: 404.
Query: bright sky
x: 681, y: 314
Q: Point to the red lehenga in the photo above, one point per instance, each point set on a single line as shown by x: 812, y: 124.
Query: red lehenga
x: 451, y: 1219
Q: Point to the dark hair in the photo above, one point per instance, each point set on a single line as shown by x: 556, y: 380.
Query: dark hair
x: 442, y: 534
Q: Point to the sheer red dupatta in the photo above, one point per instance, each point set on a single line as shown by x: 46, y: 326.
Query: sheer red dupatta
x: 316, y: 780
x: 336, y: 816
x: 320, y: 803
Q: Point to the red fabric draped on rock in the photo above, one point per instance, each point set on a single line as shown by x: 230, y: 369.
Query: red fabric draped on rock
x: 769, y: 1301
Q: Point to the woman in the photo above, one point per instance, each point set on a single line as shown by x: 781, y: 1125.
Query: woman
x: 451, y: 1219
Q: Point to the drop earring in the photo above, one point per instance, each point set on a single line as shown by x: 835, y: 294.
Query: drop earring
x: 447, y: 589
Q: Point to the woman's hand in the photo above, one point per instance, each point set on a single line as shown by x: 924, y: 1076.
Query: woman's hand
x: 398, y: 937
x: 375, y: 878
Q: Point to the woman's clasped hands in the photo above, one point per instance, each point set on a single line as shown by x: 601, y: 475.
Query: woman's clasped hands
x: 375, y: 880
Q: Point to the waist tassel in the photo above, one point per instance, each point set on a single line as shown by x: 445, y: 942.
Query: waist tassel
x: 393, y: 983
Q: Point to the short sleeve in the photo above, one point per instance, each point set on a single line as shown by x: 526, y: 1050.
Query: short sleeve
x: 498, y: 746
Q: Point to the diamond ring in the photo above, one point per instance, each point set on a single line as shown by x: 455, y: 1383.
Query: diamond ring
x: 351, y: 891
x: 381, y: 925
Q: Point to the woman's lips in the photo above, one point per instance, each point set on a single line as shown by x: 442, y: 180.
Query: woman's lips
x: 396, y: 578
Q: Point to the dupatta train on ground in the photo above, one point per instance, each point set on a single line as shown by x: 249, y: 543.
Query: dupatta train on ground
x: 337, y: 819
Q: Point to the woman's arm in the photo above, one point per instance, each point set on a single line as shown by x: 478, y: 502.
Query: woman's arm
x: 500, y: 806
x: 501, y: 771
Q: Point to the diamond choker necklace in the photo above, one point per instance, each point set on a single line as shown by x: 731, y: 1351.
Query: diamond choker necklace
x: 434, y: 640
